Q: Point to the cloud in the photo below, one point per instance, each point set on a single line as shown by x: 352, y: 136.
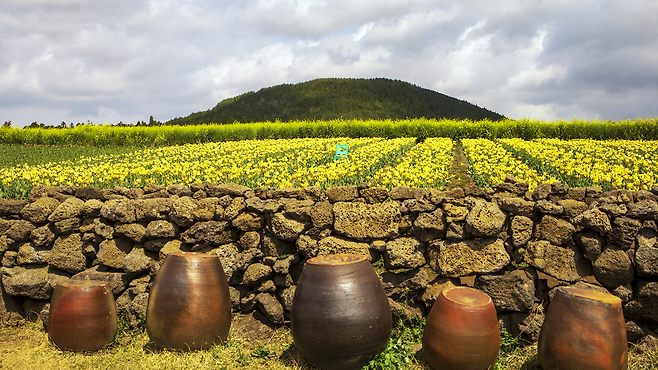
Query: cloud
x: 70, y: 60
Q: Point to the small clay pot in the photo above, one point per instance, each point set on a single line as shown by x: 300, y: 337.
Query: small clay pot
x: 189, y: 304
x: 83, y: 315
x: 584, y: 329
x: 461, y: 331
x: 340, y: 316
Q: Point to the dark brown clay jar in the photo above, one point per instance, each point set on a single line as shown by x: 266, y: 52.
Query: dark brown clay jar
x: 83, y: 315
x: 189, y: 304
x: 340, y: 317
x: 461, y: 331
x: 583, y: 329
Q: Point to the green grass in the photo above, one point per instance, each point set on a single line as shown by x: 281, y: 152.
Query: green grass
x: 12, y: 155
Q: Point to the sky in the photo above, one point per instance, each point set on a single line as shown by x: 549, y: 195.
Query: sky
x: 106, y: 61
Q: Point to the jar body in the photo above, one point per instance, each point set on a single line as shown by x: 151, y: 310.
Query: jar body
x: 340, y: 317
x: 583, y: 329
x: 83, y: 315
x: 189, y: 305
x: 461, y: 331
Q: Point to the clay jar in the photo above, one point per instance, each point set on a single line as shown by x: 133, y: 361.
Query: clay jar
x: 583, y: 329
x: 340, y: 316
x: 83, y: 315
x: 189, y: 305
x: 461, y: 331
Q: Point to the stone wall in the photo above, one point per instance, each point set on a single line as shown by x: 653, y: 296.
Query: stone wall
x: 512, y: 244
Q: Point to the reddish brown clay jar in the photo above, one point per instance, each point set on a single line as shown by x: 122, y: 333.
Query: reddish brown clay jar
x: 83, y: 315
x: 340, y: 316
x: 461, y: 331
x: 189, y: 304
x: 584, y: 329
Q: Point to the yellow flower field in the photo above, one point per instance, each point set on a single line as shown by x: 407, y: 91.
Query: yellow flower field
x: 627, y: 164
x: 489, y: 163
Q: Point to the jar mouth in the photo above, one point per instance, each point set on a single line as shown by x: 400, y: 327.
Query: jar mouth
x: 590, y: 294
x: 195, y: 254
x: 466, y: 296
x: 84, y: 283
x: 337, y: 259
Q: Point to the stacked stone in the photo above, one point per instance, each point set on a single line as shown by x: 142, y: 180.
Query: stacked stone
x: 515, y: 245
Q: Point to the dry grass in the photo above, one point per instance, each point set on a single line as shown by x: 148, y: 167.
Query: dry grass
x: 26, y: 346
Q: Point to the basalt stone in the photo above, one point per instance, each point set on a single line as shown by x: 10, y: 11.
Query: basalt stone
x: 206, y: 209
x: 314, y: 193
x: 273, y: 246
x: 415, y: 206
x: 137, y: 261
x: 133, y: 232
x: 595, y: 220
x: 613, y: 210
x: 286, y: 228
x: 179, y: 189
x: 624, y: 231
x: 362, y: 221
x: 307, y: 245
x: 271, y: 308
x: 521, y: 228
x: 173, y: 246
x: 342, y: 194
x: 161, y: 229
x: 33, y: 281
x: 334, y: 245
x: 156, y: 244
x: 433, y: 291
x: 152, y: 209
x: 39, y: 211
x: 299, y: 210
x: 374, y: 195
x: 646, y: 261
x: 220, y: 190
x: 67, y: 253
x: 518, y: 206
x: 249, y: 239
x: 67, y: 226
x: 103, y: 228
x: 119, y: 210
x: 255, y: 274
x: 29, y: 254
x: 512, y: 291
x: 401, y: 193
x: 112, y: 252
x: 210, y: 232
x: 406, y: 283
x: 182, y: 211
x: 43, y: 236
x: 117, y: 281
x: 542, y: 191
x: 485, y: 220
x: 248, y: 221
x: 20, y: 230
x: 286, y: 296
x: 562, y: 262
x: 454, y: 213
x: 590, y: 243
x: 232, y: 211
x: 548, y: 207
x: 646, y: 237
x: 555, y: 230
x: 9, y: 207
x: 613, y: 267
x: 644, y: 309
x: 404, y: 253
x: 644, y: 210
x: 572, y: 207
x: 71, y: 207
x: 455, y: 259
x: 429, y: 226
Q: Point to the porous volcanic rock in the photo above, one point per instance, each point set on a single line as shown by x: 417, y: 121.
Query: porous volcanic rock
x: 455, y: 259
x: 362, y: 221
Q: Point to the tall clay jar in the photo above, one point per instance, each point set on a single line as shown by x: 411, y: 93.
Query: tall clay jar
x: 340, y: 317
x: 83, y: 315
x: 583, y: 329
x: 461, y: 331
x: 189, y: 305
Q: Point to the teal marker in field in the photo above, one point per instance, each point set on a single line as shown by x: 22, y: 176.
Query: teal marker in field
x: 341, y: 151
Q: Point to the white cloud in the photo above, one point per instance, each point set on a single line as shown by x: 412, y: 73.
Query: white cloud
x: 73, y: 60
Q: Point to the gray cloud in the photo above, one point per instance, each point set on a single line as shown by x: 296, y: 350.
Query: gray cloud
x: 110, y: 61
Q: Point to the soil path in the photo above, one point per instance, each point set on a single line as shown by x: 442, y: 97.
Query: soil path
x: 459, y: 169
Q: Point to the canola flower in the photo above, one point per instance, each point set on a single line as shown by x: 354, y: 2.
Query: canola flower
x: 426, y: 165
x: 625, y: 164
x: 489, y: 163
x: 277, y: 163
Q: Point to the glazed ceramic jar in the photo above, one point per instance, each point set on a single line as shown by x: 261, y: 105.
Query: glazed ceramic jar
x: 340, y: 316
x: 583, y: 329
x: 189, y: 304
x: 83, y: 315
x: 461, y: 331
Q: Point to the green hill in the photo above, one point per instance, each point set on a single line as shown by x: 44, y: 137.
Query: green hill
x: 331, y: 98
